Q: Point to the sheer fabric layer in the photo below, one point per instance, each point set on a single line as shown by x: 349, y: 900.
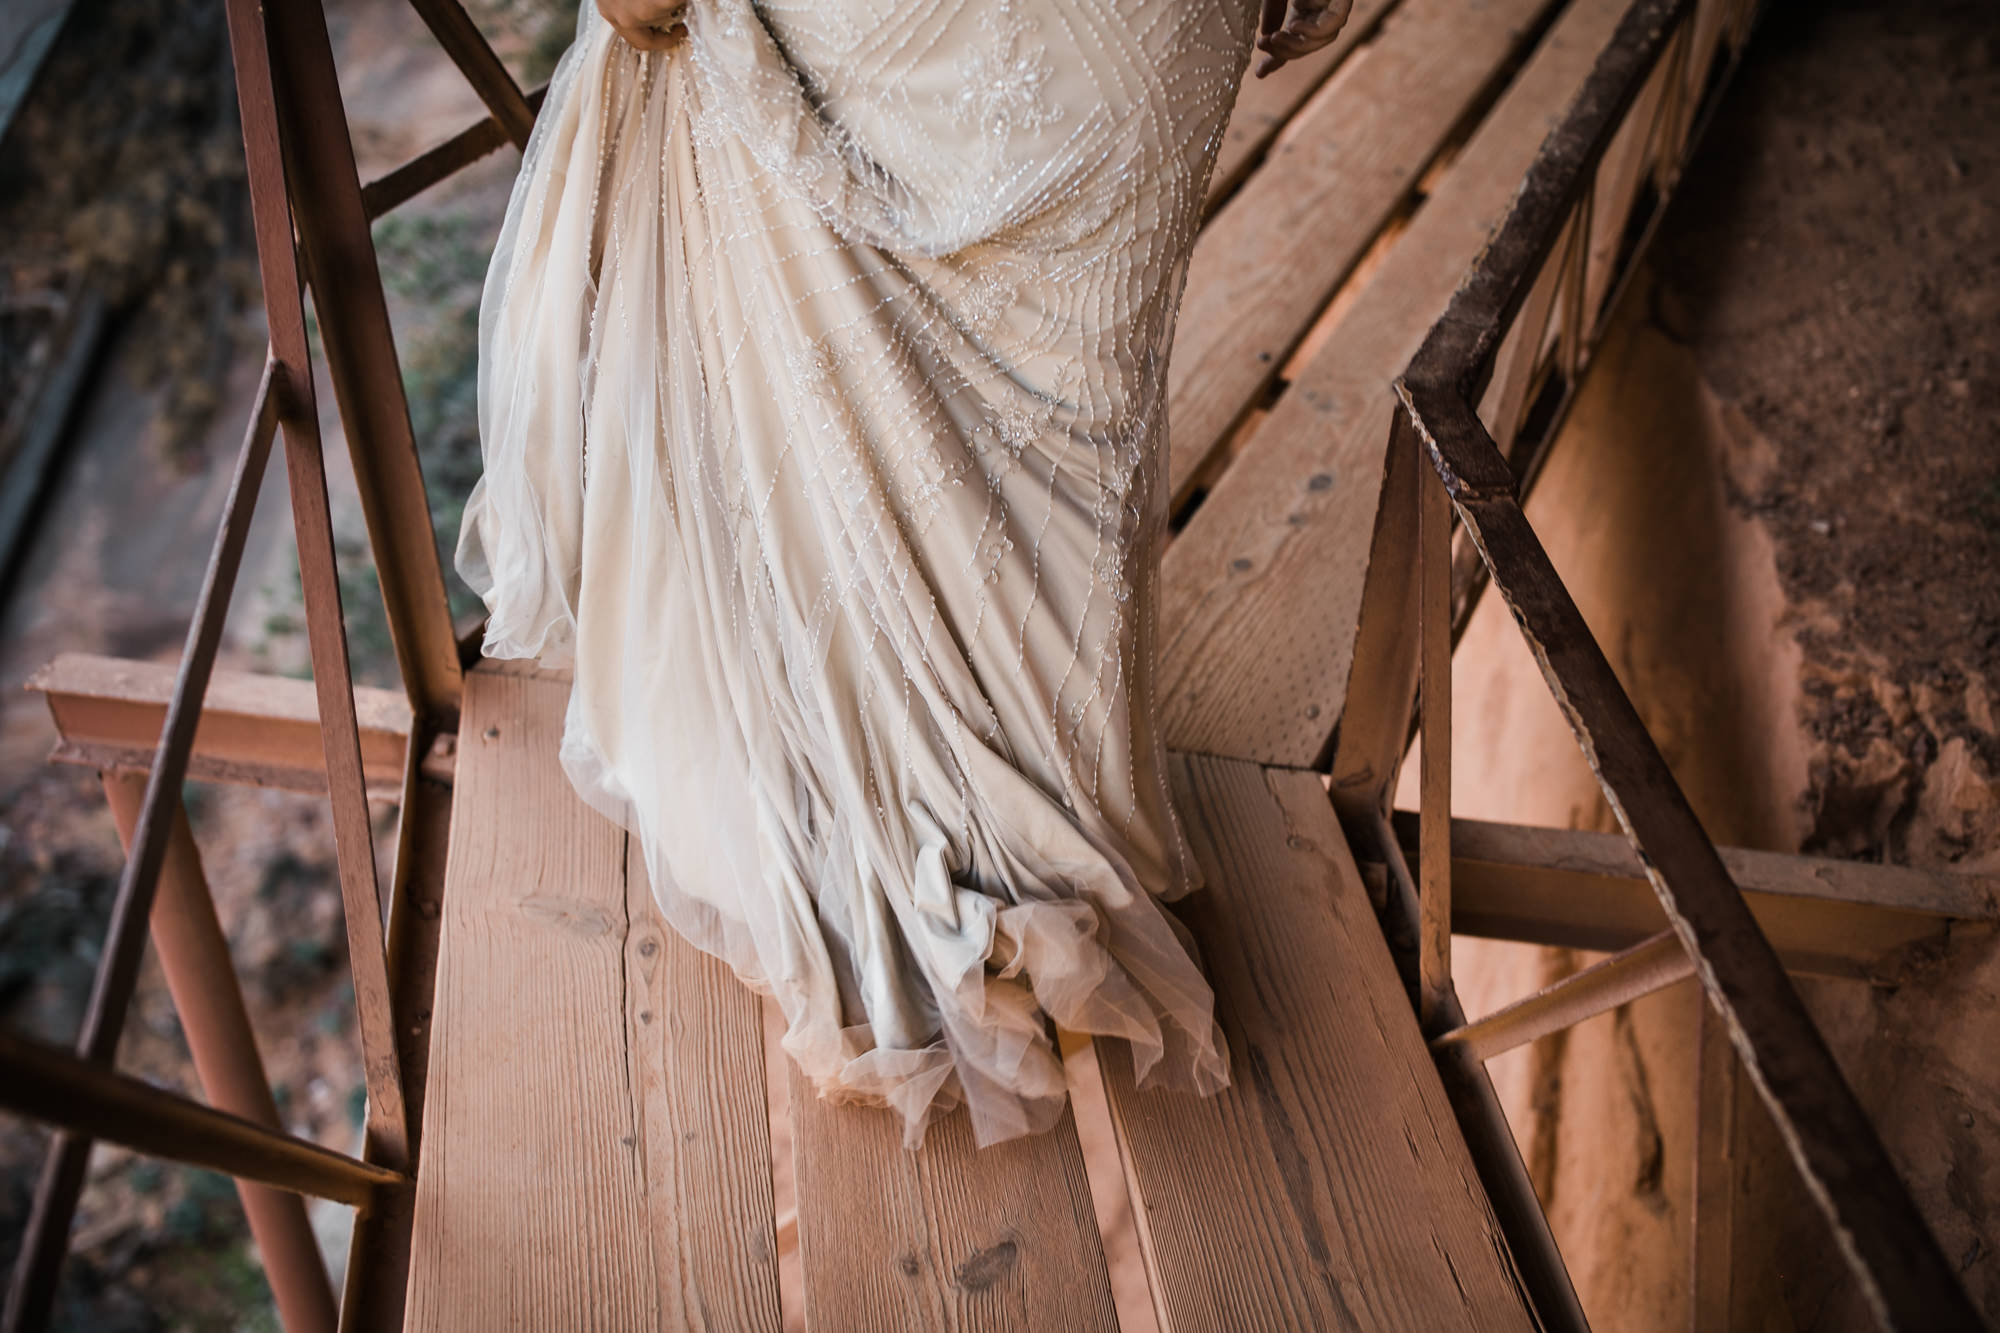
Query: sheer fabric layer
x: 822, y: 394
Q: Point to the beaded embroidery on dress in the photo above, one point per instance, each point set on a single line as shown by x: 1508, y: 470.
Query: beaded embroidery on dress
x: 822, y: 395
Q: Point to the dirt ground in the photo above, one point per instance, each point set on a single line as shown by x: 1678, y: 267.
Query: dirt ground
x: 1833, y: 261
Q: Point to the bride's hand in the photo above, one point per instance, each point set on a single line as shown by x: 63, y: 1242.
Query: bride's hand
x: 649, y: 25
x: 1289, y: 29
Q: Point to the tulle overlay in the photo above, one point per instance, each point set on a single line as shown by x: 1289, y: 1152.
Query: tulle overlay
x: 822, y: 394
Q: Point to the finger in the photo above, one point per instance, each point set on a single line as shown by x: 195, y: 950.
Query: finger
x: 1288, y: 44
x: 642, y: 38
x: 1268, y: 62
x: 1305, y: 29
x: 1271, y: 17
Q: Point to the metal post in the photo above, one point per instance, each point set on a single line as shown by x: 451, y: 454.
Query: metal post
x: 194, y: 956
x: 31, y: 1291
x: 339, y: 257
x: 53, y: 1085
x: 1434, y: 776
x: 312, y: 519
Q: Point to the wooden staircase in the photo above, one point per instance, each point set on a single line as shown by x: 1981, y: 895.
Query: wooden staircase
x: 577, y: 1121
x: 597, y: 1151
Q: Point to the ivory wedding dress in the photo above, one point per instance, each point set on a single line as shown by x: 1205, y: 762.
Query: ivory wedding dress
x: 822, y: 394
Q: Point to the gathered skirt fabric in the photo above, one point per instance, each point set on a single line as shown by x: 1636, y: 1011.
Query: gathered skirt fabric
x: 822, y: 396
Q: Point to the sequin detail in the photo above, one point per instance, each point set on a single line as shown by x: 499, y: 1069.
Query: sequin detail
x: 862, y: 313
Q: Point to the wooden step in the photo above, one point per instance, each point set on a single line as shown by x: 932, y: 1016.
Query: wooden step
x: 597, y: 1146
x: 1267, y: 264
x: 1328, y: 1186
x: 1260, y: 593
x: 597, y: 1142
x: 596, y: 1152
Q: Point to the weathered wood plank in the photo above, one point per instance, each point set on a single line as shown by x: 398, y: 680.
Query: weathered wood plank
x: 1718, y: 1074
x: 1629, y: 161
x: 1522, y: 352
x: 1267, y: 264
x: 531, y: 1198
x: 696, y: 1040
x: 1588, y: 891
x: 1264, y: 106
x: 1328, y: 1187
x: 255, y: 729
x: 1260, y: 593
x: 950, y: 1237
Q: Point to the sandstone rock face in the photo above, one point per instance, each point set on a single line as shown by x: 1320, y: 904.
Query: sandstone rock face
x: 1777, y: 502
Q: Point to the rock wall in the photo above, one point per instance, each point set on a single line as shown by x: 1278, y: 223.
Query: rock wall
x: 1778, y: 504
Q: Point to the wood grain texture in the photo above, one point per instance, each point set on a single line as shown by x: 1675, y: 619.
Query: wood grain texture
x: 1260, y: 593
x: 1434, y: 520
x: 1588, y: 891
x: 1633, y: 157
x: 1718, y: 1075
x: 262, y: 727
x: 1269, y: 261
x: 697, y: 1071
x: 531, y: 1197
x: 1328, y: 1186
x: 1523, y: 353
x: 950, y: 1237
x: 1264, y: 106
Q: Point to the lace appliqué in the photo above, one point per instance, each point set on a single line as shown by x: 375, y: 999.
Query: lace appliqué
x: 1003, y: 82
x: 812, y: 364
x: 1009, y: 430
x: 989, y: 296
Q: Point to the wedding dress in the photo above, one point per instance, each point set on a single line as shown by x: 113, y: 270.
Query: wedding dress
x: 822, y: 395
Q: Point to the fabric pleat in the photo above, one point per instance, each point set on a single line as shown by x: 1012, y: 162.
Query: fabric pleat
x: 822, y: 396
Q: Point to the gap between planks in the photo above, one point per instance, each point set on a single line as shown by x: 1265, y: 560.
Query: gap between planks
x: 1331, y: 1187
x: 1261, y: 591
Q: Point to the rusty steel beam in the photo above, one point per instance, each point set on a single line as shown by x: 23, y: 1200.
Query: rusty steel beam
x: 32, y: 1288
x: 194, y: 959
x: 254, y: 45
x: 404, y: 183
x: 1846, y: 1168
x: 49, y: 1084
x: 1434, y: 747
x: 379, y: 1252
x: 468, y: 48
x: 1459, y: 352
x: 1894, y: 1257
x: 339, y: 259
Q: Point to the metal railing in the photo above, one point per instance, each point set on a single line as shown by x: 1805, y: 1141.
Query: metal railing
x: 311, y: 213
x: 1530, y: 309
x: 1515, y: 340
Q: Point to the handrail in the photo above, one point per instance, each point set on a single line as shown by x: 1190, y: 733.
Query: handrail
x: 1905, y: 1276
x: 121, y: 1109
x: 400, y: 184
x: 31, y: 1289
x: 1459, y: 469
x: 297, y: 152
x: 467, y: 46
